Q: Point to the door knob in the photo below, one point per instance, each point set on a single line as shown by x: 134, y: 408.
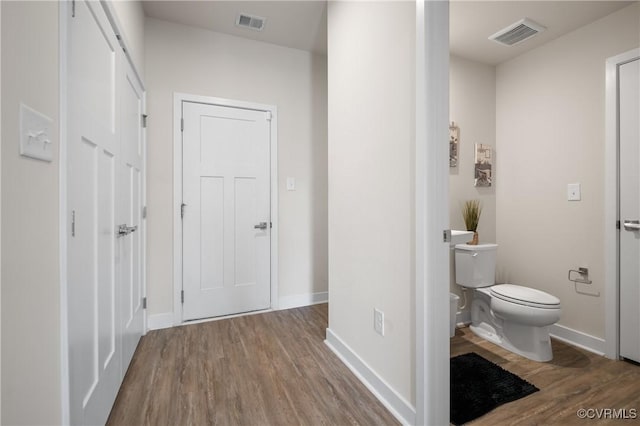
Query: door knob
x: 126, y: 230
x: 261, y: 225
x: 632, y: 225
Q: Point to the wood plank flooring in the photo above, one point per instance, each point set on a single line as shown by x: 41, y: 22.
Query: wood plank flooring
x: 264, y: 369
x: 574, y: 379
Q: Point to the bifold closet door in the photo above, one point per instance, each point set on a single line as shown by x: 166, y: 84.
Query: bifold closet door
x: 104, y: 187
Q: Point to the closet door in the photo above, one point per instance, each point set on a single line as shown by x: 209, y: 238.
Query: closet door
x: 130, y: 181
x: 104, y: 197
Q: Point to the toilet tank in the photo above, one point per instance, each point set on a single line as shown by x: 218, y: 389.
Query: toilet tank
x: 475, y: 265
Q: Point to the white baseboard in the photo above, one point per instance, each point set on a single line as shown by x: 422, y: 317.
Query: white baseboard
x: 578, y: 338
x: 396, y: 404
x: 160, y: 321
x: 299, y: 300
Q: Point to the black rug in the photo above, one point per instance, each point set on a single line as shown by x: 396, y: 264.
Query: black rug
x: 478, y: 386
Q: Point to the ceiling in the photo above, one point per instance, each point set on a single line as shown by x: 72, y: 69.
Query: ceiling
x: 296, y: 24
x: 303, y: 24
x: 473, y: 21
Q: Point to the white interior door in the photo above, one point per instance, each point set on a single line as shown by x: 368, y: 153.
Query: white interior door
x: 104, y: 187
x: 95, y: 360
x: 129, y: 208
x: 226, y: 220
x: 629, y: 160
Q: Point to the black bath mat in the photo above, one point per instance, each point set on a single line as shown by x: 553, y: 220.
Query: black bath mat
x: 478, y: 386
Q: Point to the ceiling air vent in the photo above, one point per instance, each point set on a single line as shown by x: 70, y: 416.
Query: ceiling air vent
x: 516, y: 33
x: 251, y: 22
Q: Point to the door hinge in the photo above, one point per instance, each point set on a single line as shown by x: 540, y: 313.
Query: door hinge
x: 182, y: 206
x: 144, y: 120
x: 144, y: 303
x: 269, y: 115
x: 182, y: 124
x: 121, y: 42
x: 73, y: 8
x: 73, y: 223
x: 446, y: 235
x: 617, y: 224
x: 182, y: 296
x: 270, y: 224
x: 144, y: 212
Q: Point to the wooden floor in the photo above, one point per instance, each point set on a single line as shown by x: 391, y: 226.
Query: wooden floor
x: 573, y: 380
x: 265, y: 369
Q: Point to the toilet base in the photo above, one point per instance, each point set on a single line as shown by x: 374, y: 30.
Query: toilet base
x: 533, y: 344
x: 525, y: 340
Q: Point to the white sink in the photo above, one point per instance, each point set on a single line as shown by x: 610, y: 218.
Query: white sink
x: 461, y: 237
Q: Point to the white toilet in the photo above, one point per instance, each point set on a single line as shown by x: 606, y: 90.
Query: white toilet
x: 512, y: 316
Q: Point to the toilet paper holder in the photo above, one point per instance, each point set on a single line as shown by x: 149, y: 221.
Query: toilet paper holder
x: 582, y: 277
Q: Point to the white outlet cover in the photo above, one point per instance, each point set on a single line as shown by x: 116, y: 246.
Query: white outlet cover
x: 573, y: 192
x: 291, y: 184
x: 35, y: 134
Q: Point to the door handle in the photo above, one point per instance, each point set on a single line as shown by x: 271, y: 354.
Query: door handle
x: 632, y: 225
x: 124, y: 230
x: 261, y: 225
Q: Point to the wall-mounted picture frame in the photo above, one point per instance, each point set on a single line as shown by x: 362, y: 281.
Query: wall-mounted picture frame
x: 454, y: 133
x: 483, y: 165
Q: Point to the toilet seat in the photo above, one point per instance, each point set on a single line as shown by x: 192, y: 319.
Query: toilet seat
x: 524, y: 296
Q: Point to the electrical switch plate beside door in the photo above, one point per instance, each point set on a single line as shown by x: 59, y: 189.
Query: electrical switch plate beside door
x: 573, y: 192
x: 35, y: 134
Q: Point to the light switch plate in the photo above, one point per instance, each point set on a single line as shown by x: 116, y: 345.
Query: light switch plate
x: 573, y: 192
x: 291, y: 184
x: 35, y: 134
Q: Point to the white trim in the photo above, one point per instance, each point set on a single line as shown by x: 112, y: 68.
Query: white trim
x: 578, y: 338
x: 432, y: 212
x: 611, y: 254
x: 178, y: 99
x: 394, y: 402
x: 145, y: 316
x: 160, y: 321
x: 112, y: 17
x: 299, y: 300
x: 65, y: 402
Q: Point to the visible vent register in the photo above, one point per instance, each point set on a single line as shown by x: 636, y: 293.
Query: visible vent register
x: 516, y: 33
x: 251, y: 22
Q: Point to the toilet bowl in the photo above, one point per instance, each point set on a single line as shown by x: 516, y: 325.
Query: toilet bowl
x: 514, y: 317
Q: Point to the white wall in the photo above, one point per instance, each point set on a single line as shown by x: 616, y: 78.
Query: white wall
x: 472, y: 105
x: 131, y: 18
x: 371, y: 66
x: 550, y: 132
x: 189, y: 60
x: 30, y: 218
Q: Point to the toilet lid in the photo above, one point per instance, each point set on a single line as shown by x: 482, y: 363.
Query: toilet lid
x: 525, y: 296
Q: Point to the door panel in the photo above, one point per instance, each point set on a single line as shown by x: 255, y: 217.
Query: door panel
x: 226, y: 189
x: 629, y: 133
x: 130, y: 211
x: 94, y: 348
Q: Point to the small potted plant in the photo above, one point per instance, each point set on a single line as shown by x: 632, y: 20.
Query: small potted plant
x: 471, y: 215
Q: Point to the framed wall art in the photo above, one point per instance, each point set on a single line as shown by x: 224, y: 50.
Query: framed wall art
x: 454, y: 133
x: 483, y: 166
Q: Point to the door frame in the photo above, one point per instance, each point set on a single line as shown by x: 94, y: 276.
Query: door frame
x: 611, y: 233
x: 178, y: 99
x: 432, y: 189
